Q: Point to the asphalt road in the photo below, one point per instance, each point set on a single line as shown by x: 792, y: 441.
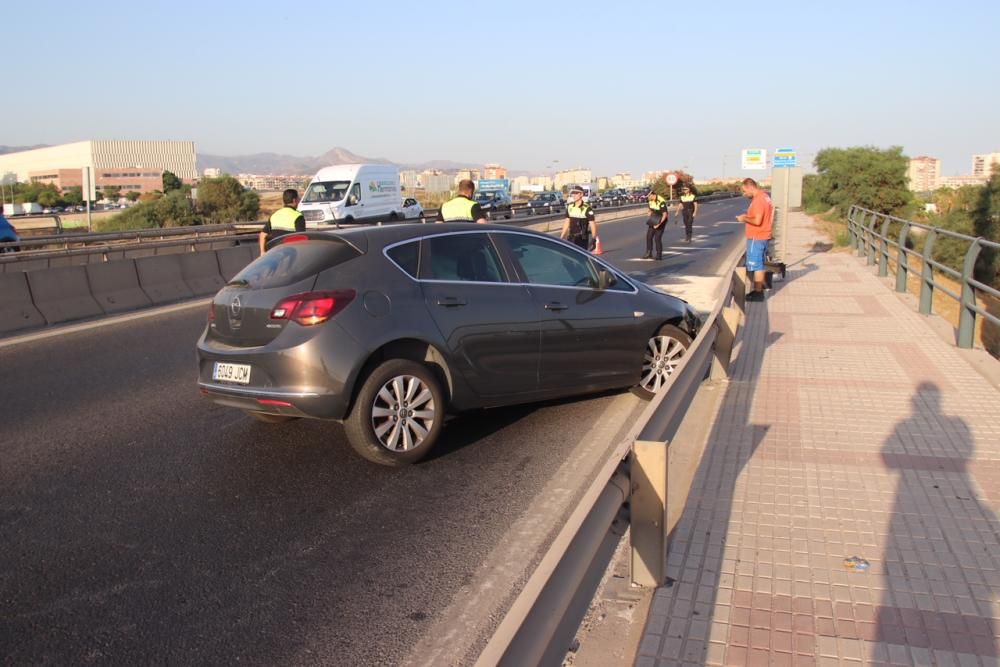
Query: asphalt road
x: 142, y: 524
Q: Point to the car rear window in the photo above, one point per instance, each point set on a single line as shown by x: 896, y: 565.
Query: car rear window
x: 290, y: 263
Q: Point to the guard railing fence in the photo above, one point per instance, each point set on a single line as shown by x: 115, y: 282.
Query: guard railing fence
x: 630, y: 492
x: 869, y: 234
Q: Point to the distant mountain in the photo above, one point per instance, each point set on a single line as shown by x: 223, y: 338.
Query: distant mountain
x: 277, y: 163
x: 17, y: 149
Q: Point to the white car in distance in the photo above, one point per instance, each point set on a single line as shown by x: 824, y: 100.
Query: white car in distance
x: 412, y: 210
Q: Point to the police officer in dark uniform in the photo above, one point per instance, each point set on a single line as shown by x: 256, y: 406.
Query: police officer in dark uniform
x: 689, y: 209
x: 462, y: 208
x: 286, y: 219
x: 655, y: 224
x: 580, y: 226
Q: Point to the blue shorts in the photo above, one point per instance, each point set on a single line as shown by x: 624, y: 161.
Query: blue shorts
x: 756, y: 248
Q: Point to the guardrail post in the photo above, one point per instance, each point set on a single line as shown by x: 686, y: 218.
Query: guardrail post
x: 927, y: 274
x: 648, y: 509
x: 729, y: 322
x: 860, y: 245
x: 967, y: 314
x: 851, y: 233
x: 870, y: 246
x: 902, y: 258
x: 883, y: 241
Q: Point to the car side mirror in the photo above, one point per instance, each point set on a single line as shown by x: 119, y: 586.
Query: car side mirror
x: 605, y: 279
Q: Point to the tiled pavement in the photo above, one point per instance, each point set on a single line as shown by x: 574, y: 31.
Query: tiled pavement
x: 849, y: 428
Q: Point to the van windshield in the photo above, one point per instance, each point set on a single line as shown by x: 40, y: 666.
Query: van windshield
x: 325, y: 191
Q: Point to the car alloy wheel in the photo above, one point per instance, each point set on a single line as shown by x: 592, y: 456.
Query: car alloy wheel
x: 663, y: 353
x: 402, y: 413
x: 398, y: 413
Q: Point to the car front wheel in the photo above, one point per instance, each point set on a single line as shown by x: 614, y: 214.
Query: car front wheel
x: 663, y: 353
x: 398, y: 414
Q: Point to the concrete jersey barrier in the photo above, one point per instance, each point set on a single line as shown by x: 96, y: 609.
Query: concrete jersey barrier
x: 17, y: 311
x: 63, y: 294
x: 200, y: 271
x: 115, y: 286
x: 161, y: 279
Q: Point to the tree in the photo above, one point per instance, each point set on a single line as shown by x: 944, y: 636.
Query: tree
x: 867, y: 176
x: 73, y: 196
x: 171, y: 182
x: 112, y: 192
x: 223, y: 199
x: 132, y: 196
x: 48, y: 198
x: 986, y: 223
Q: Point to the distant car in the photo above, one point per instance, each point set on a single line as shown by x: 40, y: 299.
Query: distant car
x: 412, y: 209
x: 388, y: 329
x: 546, y: 202
x: 8, y: 235
x: 46, y: 210
x: 613, y: 197
x: 495, y: 203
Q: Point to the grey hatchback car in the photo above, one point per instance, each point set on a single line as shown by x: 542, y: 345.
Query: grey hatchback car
x: 389, y: 329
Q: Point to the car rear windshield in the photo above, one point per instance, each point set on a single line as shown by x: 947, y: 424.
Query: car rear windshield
x: 325, y: 191
x: 293, y: 262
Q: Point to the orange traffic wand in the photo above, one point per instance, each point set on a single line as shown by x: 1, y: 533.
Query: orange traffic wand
x: 598, y: 250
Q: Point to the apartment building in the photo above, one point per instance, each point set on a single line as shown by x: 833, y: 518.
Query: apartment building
x: 924, y: 173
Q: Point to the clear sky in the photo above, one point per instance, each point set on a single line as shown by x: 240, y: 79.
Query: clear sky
x: 627, y: 86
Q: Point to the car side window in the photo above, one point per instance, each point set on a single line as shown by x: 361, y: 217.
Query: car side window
x: 355, y: 195
x: 407, y: 256
x: 462, y: 257
x: 547, y: 263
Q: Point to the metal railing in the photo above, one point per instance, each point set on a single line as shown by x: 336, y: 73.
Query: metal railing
x: 630, y: 491
x: 868, y: 233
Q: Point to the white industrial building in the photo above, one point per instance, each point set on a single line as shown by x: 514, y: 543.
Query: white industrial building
x: 112, y: 157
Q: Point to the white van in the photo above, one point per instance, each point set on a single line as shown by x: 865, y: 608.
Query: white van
x: 352, y: 193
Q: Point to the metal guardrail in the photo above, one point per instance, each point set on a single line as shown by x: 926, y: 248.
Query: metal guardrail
x: 630, y: 489
x: 874, y: 244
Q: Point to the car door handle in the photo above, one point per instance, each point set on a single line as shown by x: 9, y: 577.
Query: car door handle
x: 555, y: 305
x: 450, y: 301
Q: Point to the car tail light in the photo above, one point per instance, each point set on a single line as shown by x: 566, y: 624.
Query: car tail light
x: 312, y: 308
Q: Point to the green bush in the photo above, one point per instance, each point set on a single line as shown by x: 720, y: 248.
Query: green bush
x: 866, y: 176
x: 171, y: 210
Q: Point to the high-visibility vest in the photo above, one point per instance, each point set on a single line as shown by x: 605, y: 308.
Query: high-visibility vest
x: 657, y: 203
x: 458, y: 209
x: 284, y: 219
x: 579, y: 215
x: 687, y: 199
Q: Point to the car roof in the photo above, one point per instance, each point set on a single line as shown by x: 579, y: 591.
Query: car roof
x: 383, y: 235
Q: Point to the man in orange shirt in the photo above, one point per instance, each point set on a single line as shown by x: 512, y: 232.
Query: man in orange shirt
x: 758, y: 220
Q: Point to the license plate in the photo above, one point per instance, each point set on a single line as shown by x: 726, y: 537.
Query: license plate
x: 238, y: 373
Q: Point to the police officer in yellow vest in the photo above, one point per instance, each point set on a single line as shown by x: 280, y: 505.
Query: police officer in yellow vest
x: 655, y: 224
x: 462, y: 208
x: 286, y: 219
x: 688, y: 210
x: 580, y: 226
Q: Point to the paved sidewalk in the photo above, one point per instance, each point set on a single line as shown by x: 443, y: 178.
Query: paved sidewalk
x: 849, y: 428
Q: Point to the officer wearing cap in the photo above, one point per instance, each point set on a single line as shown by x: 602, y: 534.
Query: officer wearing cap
x: 286, y: 219
x: 462, y: 208
x: 689, y: 210
x: 580, y: 226
x: 655, y: 224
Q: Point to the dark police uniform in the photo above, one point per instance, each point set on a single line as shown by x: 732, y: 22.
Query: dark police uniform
x: 654, y: 230
x: 687, y: 211
x: 580, y: 218
x: 460, y: 209
x: 283, y: 221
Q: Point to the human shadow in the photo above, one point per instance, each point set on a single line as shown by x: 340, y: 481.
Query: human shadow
x: 939, y: 561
